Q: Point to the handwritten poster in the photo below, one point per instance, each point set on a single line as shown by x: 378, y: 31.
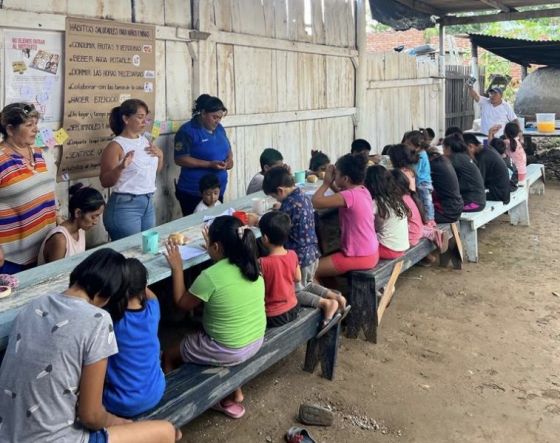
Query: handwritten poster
x: 34, y: 71
x: 106, y: 63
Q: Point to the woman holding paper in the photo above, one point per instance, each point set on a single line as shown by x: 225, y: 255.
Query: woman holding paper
x: 202, y: 147
x: 27, y: 201
x: 129, y: 165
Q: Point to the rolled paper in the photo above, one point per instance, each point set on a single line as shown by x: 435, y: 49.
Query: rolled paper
x: 5, y: 291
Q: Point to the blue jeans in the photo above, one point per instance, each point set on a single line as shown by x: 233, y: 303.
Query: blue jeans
x: 100, y: 436
x: 128, y: 214
x: 425, y: 193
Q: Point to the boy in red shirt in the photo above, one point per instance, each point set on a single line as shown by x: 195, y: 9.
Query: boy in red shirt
x: 281, y: 271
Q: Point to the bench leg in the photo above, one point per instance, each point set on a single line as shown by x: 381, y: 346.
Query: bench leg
x: 389, y: 291
x: 537, y: 188
x: 455, y: 251
x: 324, y: 350
x: 520, y: 214
x: 470, y: 242
x: 363, y: 314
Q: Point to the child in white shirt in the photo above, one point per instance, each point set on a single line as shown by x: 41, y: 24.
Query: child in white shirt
x: 209, y: 187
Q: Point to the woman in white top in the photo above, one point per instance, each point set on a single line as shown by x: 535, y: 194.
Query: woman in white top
x: 129, y: 165
x: 69, y: 238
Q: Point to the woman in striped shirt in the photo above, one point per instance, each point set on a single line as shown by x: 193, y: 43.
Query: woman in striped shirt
x: 27, y: 201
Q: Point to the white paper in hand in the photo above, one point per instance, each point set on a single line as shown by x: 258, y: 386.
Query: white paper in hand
x: 188, y: 252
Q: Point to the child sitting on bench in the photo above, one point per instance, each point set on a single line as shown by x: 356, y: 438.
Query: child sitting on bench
x: 269, y: 158
x: 302, y: 238
x: 54, y: 368
x: 232, y: 291
x: 359, y: 246
x: 417, y: 226
x: 135, y: 382
x: 391, y: 214
x: 281, y: 271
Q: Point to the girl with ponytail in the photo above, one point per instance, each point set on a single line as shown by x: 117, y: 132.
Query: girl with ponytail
x: 232, y: 293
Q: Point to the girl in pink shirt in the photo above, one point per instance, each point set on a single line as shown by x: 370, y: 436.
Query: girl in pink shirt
x: 359, y: 245
x: 515, y: 149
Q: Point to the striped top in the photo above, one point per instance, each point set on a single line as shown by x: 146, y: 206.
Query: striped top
x: 27, y: 206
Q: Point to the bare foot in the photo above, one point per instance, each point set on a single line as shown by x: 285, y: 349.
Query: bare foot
x: 339, y: 298
x: 329, y: 307
x: 237, y: 396
x: 178, y: 434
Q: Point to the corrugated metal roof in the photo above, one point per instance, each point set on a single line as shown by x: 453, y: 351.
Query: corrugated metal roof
x: 522, y: 52
x: 422, y: 14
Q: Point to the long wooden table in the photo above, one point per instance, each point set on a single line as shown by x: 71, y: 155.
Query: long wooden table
x: 54, y: 277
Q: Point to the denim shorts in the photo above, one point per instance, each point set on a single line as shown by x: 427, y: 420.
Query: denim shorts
x: 101, y: 436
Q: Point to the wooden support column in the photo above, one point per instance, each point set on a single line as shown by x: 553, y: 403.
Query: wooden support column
x: 442, y: 77
x: 476, y: 74
x: 360, y: 122
x: 201, y: 64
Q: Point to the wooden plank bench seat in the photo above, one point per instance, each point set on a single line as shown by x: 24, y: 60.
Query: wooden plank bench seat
x: 192, y: 389
x: 367, y: 310
x: 518, y: 209
x: 536, y: 178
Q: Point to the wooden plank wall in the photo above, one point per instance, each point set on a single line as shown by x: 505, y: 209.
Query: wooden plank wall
x: 402, y: 94
x: 288, y: 84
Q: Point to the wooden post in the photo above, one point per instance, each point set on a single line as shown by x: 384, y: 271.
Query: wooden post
x: 360, y: 122
x: 442, y: 79
x: 476, y: 74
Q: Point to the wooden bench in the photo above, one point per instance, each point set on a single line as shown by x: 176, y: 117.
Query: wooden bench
x: 192, y: 389
x: 367, y: 309
x: 518, y: 209
x: 535, y: 178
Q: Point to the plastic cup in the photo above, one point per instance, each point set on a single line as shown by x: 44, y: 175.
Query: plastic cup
x: 150, y: 242
x: 521, y: 121
x: 299, y: 177
x: 546, y: 122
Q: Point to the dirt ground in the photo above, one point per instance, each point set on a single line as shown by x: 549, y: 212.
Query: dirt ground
x: 463, y: 356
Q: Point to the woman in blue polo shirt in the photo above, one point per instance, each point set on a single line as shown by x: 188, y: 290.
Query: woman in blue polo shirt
x: 202, y: 147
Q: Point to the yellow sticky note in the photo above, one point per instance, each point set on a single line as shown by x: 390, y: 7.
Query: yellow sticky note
x: 155, y: 131
x: 61, y: 136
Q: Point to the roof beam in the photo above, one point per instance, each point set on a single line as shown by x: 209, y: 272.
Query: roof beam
x: 501, y: 17
x: 497, y: 4
x: 421, y: 6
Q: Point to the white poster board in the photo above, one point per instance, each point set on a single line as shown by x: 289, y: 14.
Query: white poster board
x: 33, y: 70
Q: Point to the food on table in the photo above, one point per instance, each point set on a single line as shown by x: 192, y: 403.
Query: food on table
x: 312, y: 178
x: 178, y: 238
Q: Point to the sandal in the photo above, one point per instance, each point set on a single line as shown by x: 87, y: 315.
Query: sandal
x: 328, y: 324
x: 344, y: 313
x: 230, y: 408
x: 298, y: 435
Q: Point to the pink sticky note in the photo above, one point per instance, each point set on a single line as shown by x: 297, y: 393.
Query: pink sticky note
x: 48, y: 137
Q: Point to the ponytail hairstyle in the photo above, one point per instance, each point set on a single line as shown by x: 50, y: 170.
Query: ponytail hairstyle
x: 207, y: 103
x: 318, y: 160
x: 238, y: 243
x: 353, y: 167
x: 137, y: 279
x: 384, y: 191
x: 402, y: 183
x: 401, y: 156
x: 511, y: 131
x: 84, y: 198
x: 126, y: 109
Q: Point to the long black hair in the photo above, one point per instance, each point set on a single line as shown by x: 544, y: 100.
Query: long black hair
x: 416, y: 139
x: 383, y: 190
x: 318, y: 160
x: 402, y: 156
x: 84, y: 198
x: 126, y: 109
x: 511, y: 131
x: 238, y: 243
x: 137, y: 279
x: 456, y: 143
x: 102, y: 273
x: 353, y: 167
x: 403, y: 186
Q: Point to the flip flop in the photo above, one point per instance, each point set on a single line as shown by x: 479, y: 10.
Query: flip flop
x: 298, y: 435
x: 328, y: 324
x: 230, y: 408
x: 345, y: 312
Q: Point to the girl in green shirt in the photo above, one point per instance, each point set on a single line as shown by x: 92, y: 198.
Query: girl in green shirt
x: 232, y: 291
